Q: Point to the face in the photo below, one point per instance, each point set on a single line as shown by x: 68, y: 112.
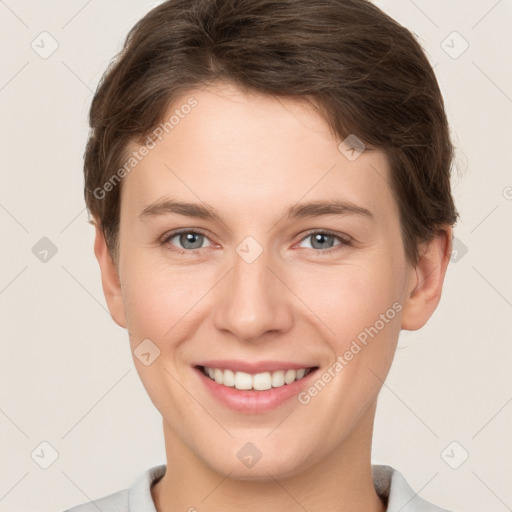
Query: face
x: 249, y: 242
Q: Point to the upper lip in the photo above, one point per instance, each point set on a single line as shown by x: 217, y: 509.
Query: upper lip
x: 254, y: 367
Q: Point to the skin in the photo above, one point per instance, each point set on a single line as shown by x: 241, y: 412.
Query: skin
x: 250, y: 157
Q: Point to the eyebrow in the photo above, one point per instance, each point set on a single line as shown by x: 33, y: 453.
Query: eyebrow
x: 296, y: 211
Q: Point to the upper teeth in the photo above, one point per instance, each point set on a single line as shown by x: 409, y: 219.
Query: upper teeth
x: 259, y: 381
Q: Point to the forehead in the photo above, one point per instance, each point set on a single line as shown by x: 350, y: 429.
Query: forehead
x: 252, y: 152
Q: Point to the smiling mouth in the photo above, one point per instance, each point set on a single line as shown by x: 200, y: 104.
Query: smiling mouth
x: 255, y: 382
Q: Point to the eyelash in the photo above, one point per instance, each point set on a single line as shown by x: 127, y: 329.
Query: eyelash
x: 344, y: 242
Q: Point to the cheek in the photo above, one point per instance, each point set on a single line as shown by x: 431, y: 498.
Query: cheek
x: 351, y: 298
x: 159, y: 298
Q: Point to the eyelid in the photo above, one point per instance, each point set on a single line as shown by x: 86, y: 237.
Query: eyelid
x: 345, y: 240
x: 164, y: 240
x: 171, y: 234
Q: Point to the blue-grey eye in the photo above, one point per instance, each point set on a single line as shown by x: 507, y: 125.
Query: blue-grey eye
x: 187, y: 240
x: 322, y: 240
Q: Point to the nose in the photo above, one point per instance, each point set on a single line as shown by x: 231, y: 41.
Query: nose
x: 253, y: 300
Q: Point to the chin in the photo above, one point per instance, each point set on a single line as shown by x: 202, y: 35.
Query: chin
x: 263, y: 470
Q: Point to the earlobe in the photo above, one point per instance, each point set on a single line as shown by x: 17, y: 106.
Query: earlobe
x: 425, y: 293
x: 109, y: 279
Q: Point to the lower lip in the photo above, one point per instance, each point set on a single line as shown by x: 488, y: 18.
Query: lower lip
x: 249, y: 401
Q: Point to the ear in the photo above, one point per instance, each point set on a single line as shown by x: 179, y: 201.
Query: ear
x: 425, y: 291
x: 109, y: 278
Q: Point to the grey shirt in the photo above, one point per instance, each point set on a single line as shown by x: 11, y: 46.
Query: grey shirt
x: 389, y: 483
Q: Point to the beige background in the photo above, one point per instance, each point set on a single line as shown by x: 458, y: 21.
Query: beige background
x: 67, y: 376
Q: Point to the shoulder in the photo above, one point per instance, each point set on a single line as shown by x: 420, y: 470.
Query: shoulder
x: 116, y: 502
x: 134, y: 499
x: 392, y: 486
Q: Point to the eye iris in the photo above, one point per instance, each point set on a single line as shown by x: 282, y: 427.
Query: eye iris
x: 196, y: 239
x: 319, y: 237
x: 185, y: 238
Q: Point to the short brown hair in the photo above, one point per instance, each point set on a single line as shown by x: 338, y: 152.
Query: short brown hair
x: 364, y: 72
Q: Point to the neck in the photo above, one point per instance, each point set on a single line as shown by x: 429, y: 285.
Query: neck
x: 342, y: 481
